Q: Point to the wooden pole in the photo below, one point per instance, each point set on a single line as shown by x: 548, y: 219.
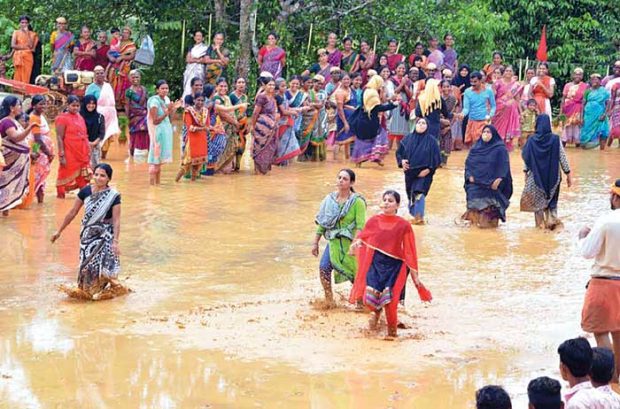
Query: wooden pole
x: 254, y: 30
x: 209, y: 36
x: 183, y: 39
x: 527, y: 63
x: 520, y: 68
x: 309, y: 38
x: 374, y: 46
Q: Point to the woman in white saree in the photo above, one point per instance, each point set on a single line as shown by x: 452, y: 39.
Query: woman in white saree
x: 195, y: 67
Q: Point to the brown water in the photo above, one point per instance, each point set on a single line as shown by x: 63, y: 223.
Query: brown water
x: 222, y: 317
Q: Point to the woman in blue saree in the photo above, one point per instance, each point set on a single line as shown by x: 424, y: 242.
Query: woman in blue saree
x: 595, y: 126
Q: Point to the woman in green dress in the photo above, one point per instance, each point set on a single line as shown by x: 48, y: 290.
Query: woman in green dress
x: 342, y: 214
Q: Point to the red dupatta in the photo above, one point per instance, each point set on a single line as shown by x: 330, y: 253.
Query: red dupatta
x: 392, y: 235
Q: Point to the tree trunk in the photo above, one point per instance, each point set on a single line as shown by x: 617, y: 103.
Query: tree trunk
x: 246, y: 35
x: 220, y: 15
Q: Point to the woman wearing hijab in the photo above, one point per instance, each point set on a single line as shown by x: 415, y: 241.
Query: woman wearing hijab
x: 419, y: 157
x: 488, y: 182
x: 95, y: 127
x: 371, y: 143
x: 543, y: 155
x: 460, y: 82
x: 431, y: 106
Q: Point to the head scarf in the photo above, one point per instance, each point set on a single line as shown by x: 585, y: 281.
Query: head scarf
x: 371, y: 94
x: 458, y: 80
x: 486, y: 162
x: 541, y: 155
x: 90, y: 117
x: 421, y: 150
x: 430, y: 98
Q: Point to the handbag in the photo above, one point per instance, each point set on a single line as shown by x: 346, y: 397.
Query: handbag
x: 146, y: 53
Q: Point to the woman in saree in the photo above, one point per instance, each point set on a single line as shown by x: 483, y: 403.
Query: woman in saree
x: 288, y: 146
x: 226, y: 112
x: 544, y: 157
x: 507, y: 118
x: 239, y: 97
x: 393, y: 57
x: 62, y: 42
x: 322, y: 67
x: 418, y: 55
x: 419, y: 157
x: 263, y: 128
x: 350, y: 58
x: 216, y: 60
x: 595, y: 129
x: 160, y: 130
x: 136, y: 111
x: 196, y: 120
x: 435, y: 56
x: 341, y: 216
x: 614, y: 113
x: 334, y: 55
x: 367, y: 61
x: 101, y: 51
x: 95, y: 127
x: 106, y: 106
x: 118, y: 75
x: 99, y: 239
x: 272, y: 58
x: 346, y: 102
x: 74, y: 170
x: 317, y: 98
x: 489, y: 69
x: 386, y: 254
x: 445, y: 124
x: 195, y: 67
x: 308, y: 117
x: 488, y: 181
x: 542, y: 87
x: 371, y: 143
x: 85, y: 51
x: 572, y: 108
x: 42, y: 145
x: 296, y: 98
x: 14, y: 155
x: 398, y: 125
x: 23, y: 42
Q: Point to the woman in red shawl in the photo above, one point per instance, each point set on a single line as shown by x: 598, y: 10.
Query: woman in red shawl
x: 385, y: 253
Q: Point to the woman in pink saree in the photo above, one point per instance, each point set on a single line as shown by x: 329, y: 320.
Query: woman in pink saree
x: 272, y: 58
x: 572, y: 108
x: 106, y: 106
x: 118, y: 75
x: 507, y: 119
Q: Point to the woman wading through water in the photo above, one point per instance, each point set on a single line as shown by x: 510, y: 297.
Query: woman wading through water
x: 342, y: 214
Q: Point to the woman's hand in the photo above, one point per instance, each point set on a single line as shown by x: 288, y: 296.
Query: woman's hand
x: 495, y: 184
x: 405, y: 164
x: 424, y: 173
x: 115, y: 248
x: 347, y: 128
x: 569, y: 180
x: 315, y: 249
x: 62, y: 160
x: 55, y: 236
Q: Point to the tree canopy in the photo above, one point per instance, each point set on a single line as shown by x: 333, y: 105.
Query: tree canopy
x: 580, y: 32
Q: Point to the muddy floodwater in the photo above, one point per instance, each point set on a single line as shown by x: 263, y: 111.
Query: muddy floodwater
x: 223, y: 316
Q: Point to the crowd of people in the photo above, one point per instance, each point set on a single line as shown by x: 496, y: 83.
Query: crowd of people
x: 359, y: 104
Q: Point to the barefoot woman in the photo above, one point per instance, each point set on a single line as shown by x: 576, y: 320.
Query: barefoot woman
x: 341, y: 215
x: 99, y: 250
x: 386, y: 251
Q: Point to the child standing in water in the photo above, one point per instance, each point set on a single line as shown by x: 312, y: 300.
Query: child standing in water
x: 528, y: 122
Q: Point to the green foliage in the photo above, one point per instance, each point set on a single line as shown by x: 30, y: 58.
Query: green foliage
x: 580, y: 32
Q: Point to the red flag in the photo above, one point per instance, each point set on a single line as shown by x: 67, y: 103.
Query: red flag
x: 541, y: 54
